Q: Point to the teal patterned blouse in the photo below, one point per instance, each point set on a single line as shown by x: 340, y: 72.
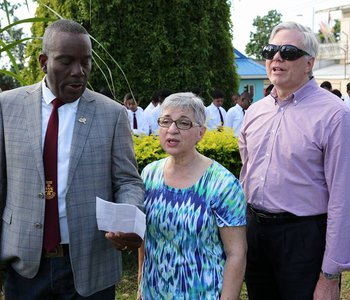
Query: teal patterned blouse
x: 184, y: 255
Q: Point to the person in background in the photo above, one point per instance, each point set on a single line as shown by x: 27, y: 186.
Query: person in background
x: 215, y: 112
x: 234, y: 98
x: 128, y: 104
x: 152, y: 105
x: 326, y: 85
x: 295, y: 147
x: 234, y: 116
x: 268, y: 90
x: 195, y: 242
x: 337, y: 93
x: 51, y: 173
x: 139, y: 120
x: 162, y: 94
x: 347, y: 96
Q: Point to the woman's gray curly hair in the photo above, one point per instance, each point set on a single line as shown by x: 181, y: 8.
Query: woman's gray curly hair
x: 186, y: 101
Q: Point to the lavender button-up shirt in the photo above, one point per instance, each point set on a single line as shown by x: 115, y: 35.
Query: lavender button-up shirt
x: 296, y: 158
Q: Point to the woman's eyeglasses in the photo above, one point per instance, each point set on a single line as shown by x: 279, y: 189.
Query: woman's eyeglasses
x: 287, y: 52
x: 182, y: 123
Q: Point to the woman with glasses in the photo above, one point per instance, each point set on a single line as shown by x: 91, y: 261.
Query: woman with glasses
x: 195, y: 242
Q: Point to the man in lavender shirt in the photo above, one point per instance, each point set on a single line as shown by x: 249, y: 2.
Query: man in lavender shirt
x: 295, y: 147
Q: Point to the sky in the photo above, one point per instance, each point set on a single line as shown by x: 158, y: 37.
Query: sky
x: 306, y: 12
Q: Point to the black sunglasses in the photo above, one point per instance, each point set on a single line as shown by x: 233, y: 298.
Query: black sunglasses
x: 287, y: 52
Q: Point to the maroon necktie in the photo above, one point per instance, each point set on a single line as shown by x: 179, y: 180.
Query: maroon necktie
x: 52, y: 235
x: 221, y: 118
x: 135, y: 121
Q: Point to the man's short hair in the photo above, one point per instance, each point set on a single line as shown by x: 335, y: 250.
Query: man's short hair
x: 337, y: 93
x: 326, y: 85
x: 217, y: 94
x: 62, y: 25
x: 309, y: 41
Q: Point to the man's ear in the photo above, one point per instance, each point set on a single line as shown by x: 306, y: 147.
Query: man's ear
x: 43, y: 61
x: 310, y: 65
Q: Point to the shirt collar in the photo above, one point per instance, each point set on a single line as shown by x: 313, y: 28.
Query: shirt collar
x: 48, y: 96
x: 297, y: 96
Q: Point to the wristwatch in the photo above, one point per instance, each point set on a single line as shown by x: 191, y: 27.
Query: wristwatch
x: 331, y: 276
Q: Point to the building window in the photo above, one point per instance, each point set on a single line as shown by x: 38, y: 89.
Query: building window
x: 250, y: 88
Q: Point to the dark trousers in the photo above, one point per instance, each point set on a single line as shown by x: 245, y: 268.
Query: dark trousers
x: 284, y: 260
x: 53, y: 281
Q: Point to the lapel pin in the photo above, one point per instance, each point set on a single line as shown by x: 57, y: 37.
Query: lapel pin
x: 82, y: 120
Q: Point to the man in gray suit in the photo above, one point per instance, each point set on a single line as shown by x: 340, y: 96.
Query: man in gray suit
x: 95, y: 158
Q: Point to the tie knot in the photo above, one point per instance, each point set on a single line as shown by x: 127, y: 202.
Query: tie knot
x: 57, y: 103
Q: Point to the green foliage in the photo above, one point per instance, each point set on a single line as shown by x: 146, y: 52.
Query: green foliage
x: 147, y: 149
x: 12, y: 45
x: 221, y: 146
x: 260, y: 37
x: 336, y: 30
x: 329, y: 36
x: 7, y: 81
x: 159, y: 44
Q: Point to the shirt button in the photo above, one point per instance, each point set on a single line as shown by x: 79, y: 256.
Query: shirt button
x: 41, y: 195
x: 38, y: 225
x: 267, y: 154
x: 262, y: 178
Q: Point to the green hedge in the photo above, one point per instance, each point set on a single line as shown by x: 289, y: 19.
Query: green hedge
x: 221, y: 146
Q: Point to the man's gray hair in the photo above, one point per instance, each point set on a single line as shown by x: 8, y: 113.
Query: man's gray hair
x: 62, y: 25
x: 309, y: 42
x: 186, y: 101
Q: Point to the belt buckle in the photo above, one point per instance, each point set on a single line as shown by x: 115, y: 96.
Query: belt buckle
x: 57, y: 252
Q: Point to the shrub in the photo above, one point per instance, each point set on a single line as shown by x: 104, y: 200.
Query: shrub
x: 221, y: 146
x: 147, y: 149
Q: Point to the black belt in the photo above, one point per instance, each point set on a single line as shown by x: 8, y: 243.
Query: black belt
x: 264, y: 217
x: 59, y: 251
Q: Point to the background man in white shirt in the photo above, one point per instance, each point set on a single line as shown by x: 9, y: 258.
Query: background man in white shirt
x: 215, y: 112
x: 139, y: 119
x: 234, y: 116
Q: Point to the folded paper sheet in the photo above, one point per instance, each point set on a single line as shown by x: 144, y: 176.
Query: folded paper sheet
x: 120, y: 217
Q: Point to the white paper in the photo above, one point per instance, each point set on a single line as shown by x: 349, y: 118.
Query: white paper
x: 120, y: 217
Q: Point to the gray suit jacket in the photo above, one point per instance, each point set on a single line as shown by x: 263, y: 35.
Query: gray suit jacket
x: 102, y: 163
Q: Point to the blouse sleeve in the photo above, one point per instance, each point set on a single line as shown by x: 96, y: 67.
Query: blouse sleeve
x: 227, y: 198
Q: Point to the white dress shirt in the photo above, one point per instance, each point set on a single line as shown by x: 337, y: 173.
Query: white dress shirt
x: 143, y: 122
x: 234, y: 119
x: 66, y: 115
x: 150, y: 107
x: 213, y: 116
x: 154, y: 120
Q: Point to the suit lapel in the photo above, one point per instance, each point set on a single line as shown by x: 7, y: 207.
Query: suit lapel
x: 32, y: 111
x: 82, y: 126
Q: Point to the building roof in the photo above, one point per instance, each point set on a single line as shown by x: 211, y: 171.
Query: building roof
x: 335, y: 71
x: 248, y: 68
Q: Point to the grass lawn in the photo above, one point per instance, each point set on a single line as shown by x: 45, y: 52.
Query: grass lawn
x: 127, y: 287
